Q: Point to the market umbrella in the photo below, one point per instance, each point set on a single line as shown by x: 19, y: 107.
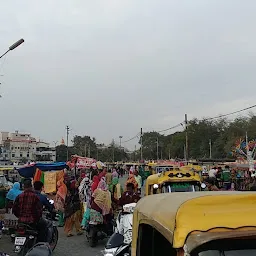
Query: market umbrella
x: 28, y: 171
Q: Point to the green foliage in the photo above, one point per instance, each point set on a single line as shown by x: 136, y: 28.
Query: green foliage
x: 86, y: 146
x: 61, y: 153
x: 221, y: 132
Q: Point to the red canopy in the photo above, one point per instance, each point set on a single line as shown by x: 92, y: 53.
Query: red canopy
x: 82, y: 162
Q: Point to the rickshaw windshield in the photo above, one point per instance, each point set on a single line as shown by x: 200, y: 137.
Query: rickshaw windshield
x: 179, y: 187
x: 246, y: 252
x: 227, y: 247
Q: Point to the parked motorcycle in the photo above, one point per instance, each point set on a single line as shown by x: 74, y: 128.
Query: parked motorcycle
x: 96, y: 232
x: 26, y: 236
x: 119, y: 244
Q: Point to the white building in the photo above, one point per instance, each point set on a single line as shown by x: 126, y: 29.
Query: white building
x: 20, y: 146
x: 44, y: 152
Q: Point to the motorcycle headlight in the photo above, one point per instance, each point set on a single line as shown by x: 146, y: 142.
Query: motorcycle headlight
x: 109, y: 252
x: 17, y: 249
x: 155, y: 186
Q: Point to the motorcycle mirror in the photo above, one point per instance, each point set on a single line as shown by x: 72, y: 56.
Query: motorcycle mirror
x: 203, y: 186
x: 114, y: 223
x: 116, y: 240
x: 51, y: 201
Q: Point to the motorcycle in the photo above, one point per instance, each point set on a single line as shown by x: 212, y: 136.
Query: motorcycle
x: 40, y: 249
x: 96, y: 232
x: 119, y: 244
x: 26, y: 236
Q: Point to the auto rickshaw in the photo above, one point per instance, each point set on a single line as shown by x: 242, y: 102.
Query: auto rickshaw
x: 195, y: 224
x: 174, y: 179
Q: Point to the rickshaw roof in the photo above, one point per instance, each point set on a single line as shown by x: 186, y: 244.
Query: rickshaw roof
x: 163, y: 177
x: 7, y: 168
x: 167, y: 165
x: 151, y: 164
x: 152, y: 179
x: 176, y: 215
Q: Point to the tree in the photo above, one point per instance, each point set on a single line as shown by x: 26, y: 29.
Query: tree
x: 149, y: 144
x: 222, y: 133
x: 61, y: 153
x: 85, y: 146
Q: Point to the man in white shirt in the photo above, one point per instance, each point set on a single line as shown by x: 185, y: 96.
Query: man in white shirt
x: 213, y: 172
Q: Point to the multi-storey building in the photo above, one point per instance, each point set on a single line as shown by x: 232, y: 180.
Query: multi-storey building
x: 21, y: 147
x: 44, y: 152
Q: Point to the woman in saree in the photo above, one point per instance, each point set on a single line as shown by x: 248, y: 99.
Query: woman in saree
x: 86, y: 216
x: 116, y: 191
x: 114, y: 174
x: 102, y: 173
x: 11, y: 196
x: 95, y: 183
x: 85, y: 195
x: 131, y: 180
x: 60, y: 200
x: 101, y: 205
x: 72, y: 210
x: 84, y: 190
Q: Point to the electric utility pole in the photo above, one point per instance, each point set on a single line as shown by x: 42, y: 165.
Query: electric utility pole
x: 157, y: 149
x: 141, y: 144
x: 186, y: 132
x: 210, y: 144
x: 67, y: 129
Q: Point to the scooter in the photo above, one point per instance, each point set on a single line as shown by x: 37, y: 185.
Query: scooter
x: 119, y: 244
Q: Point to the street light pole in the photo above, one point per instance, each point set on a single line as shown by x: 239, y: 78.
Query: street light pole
x: 12, y: 47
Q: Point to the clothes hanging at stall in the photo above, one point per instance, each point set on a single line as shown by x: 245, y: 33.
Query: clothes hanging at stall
x: 50, y: 182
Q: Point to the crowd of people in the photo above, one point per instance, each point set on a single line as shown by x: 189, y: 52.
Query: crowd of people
x: 92, y: 196
x: 230, y: 179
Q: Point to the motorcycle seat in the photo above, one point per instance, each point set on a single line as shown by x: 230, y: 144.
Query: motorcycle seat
x: 41, y: 249
x: 30, y: 229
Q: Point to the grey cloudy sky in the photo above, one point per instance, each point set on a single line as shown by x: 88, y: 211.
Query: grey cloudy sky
x: 108, y: 67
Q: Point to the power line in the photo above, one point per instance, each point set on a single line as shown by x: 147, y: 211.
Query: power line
x: 173, y: 127
x: 229, y: 114
x: 136, y: 136
x: 205, y: 119
x: 170, y: 128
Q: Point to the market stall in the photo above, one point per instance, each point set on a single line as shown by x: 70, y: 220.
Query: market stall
x: 48, y: 173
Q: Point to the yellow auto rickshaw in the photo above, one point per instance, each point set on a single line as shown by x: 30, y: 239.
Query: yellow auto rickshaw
x: 195, y: 224
x: 174, y: 179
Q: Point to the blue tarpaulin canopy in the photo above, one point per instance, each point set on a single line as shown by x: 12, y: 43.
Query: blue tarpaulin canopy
x: 29, y: 170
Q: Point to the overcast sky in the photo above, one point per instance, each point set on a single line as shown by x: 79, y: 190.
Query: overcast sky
x: 108, y: 67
